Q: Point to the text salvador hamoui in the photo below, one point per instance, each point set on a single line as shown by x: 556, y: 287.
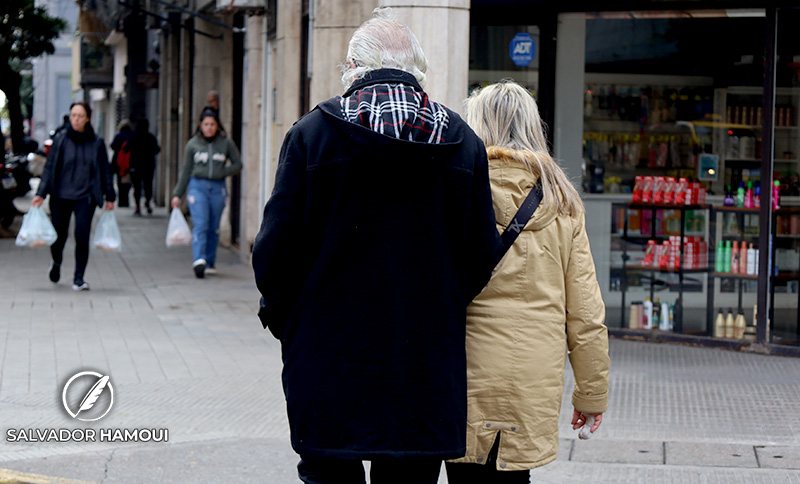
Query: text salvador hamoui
x: 87, y: 435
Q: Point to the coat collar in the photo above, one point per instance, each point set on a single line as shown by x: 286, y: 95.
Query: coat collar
x: 390, y: 76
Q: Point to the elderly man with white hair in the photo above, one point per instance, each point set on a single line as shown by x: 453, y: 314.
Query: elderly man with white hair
x: 379, y: 232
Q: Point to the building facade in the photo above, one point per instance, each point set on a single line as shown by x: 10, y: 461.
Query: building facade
x: 705, y: 91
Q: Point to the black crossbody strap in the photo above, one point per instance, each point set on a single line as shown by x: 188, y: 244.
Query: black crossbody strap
x: 522, y: 217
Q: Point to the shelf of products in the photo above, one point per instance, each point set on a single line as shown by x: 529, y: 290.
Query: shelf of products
x: 733, y: 241
x: 653, y: 239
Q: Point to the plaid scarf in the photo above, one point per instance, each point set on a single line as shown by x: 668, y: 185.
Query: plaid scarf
x: 396, y: 110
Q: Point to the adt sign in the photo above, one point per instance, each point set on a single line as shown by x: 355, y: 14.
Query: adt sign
x: 522, y: 49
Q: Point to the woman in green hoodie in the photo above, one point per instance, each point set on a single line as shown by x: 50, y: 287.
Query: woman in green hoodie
x: 209, y: 157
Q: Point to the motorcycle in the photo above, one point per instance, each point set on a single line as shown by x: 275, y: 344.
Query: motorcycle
x: 15, y: 178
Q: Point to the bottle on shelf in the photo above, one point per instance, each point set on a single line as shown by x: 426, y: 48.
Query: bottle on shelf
x: 719, y: 325
x: 729, y: 200
x: 648, y: 314
x: 729, y: 323
x: 740, y: 195
x: 757, y: 197
x: 656, y: 320
x: 735, y: 257
x: 739, y: 326
x: 751, y: 260
x: 664, y: 323
x: 743, y: 258
x: 726, y: 257
x: 748, y: 195
x: 719, y: 265
x: 635, y: 317
x: 776, y: 194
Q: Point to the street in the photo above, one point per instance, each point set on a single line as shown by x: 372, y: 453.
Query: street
x: 189, y: 355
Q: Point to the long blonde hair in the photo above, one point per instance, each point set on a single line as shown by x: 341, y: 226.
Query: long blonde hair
x: 506, y: 115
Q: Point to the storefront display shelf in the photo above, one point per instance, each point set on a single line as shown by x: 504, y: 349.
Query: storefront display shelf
x: 625, y: 272
x: 787, y: 276
x: 662, y: 269
x: 742, y: 280
x: 636, y: 205
x: 731, y: 275
x: 659, y: 238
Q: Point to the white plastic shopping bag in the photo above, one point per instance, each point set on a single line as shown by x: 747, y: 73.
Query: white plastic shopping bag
x: 36, y: 230
x: 178, y: 231
x: 106, y: 235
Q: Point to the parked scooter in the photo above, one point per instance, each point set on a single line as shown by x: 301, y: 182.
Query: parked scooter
x: 15, y: 179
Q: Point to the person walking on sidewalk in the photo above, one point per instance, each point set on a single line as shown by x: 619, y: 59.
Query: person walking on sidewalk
x: 121, y: 166
x: 543, y: 302
x: 209, y: 157
x: 143, y: 147
x: 77, y: 176
x: 378, y: 233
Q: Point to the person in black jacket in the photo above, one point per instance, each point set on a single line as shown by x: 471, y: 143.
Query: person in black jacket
x: 122, y: 173
x: 378, y: 233
x: 77, y: 176
x: 143, y: 148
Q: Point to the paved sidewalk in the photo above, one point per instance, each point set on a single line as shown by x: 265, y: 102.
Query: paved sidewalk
x: 190, y: 355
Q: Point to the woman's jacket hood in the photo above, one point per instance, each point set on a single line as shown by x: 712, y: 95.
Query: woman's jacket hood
x: 511, y: 182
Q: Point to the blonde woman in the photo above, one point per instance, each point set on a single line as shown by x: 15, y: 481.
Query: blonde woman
x: 542, y: 303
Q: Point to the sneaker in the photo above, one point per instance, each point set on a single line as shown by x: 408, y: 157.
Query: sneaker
x: 149, y: 208
x: 137, y: 213
x: 199, y: 267
x: 55, y: 272
x: 211, y: 271
x: 80, y: 285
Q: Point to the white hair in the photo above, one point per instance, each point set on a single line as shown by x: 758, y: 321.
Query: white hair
x: 383, y: 42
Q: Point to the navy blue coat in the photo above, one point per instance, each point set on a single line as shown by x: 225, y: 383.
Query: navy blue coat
x: 102, y: 182
x: 369, y: 252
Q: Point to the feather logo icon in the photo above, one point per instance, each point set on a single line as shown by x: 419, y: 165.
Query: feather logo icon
x: 90, y: 399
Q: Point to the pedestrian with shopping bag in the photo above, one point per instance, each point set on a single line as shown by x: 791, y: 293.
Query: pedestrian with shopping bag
x: 542, y: 303
x: 209, y: 158
x: 78, y: 178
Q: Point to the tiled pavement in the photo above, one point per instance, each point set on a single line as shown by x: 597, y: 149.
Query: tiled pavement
x: 189, y: 355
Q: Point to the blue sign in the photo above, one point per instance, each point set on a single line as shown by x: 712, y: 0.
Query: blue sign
x: 521, y: 49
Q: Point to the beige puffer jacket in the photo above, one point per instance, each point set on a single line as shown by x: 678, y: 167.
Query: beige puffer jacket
x: 542, y: 301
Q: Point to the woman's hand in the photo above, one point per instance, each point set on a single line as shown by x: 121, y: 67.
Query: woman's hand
x: 37, y: 201
x: 579, y: 418
x: 176, y: 202
x: 109, y: 206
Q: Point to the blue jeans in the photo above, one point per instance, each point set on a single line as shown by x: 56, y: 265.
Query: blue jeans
x: 206, y: 201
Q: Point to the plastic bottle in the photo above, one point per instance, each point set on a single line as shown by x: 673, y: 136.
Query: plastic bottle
x: 729, y: 322
x: 726, y: 257
x: 751, y: 260
x: 648, y: 314
x: 735, y: 257
x: 729, y: 200
x: 743, y: 258
x: 757, y: 197
x: 671, y: 316
x: 748, y: 196
x: 664, y: 324
x: 719, y: 325
x: 719, y: 265
x: 776, y: 194
x: 740, y: 195
x: 739, y: 326
x: 656, y: 313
